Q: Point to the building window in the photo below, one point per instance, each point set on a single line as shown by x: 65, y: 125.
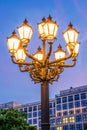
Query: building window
x: 59, y: 114
x: 58, y: 121
x: 84, y: 117
x: 52, y: 121
x: 51, y: 111
x: 59, y: 128
x: 52, y: 128
x: 78, y: 126
x: 30, y: 122
x: 25, y: 109
x: 83, y: 95
x: 84, y: 110
x: 39, y: 107
x: 39, y: 123
x: 58, y: 107
x: 30, y: 109
x: 64, y: 106
x: 64, y: 99
x: 70, y: 98
x: 65, y: 127
x: 34, y: 114
x: 29, y: 115
x: 65, y: 113
x: 39, y: 113
x: 78, y: 118
x: 78, y: 111
x: 58, y: 100
x: 72, y: 119
x: 84, y: 102
x: 77, y: 104
x: 65, y: 120
x: 77, y: 97
x: 50, y: 105
x: 72, y: 127
x: 34, y: 108
x: 34, y: 121
x: 71, y: 105
x: 53, y: 104
x: 85, y: 126
x: 71, y: 112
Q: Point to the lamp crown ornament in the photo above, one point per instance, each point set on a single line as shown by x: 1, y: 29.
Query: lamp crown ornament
x: 14, y: 32
x: 70, y: 25
x: 26, y: 22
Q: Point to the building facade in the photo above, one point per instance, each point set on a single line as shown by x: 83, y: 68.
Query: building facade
x: 68, y: 110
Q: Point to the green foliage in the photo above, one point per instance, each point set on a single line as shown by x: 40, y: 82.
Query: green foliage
x: 11, y: 119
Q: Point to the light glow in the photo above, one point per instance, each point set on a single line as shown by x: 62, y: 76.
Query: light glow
x: 76, y: 49
x: 13, y: 43
x: 25, y: 32
x: 71, y: 34
x: 50, y: 29
x: 60, y: 53
x: 20, y: 55
x: 39, y: 55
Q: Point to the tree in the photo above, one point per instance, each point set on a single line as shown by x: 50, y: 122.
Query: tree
x: 11, y: 119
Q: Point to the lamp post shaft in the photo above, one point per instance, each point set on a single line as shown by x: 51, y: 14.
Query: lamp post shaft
x: 45, y: 125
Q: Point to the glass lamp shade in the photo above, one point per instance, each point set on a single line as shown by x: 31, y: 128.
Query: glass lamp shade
x: 76, y: 49
x: 71, y: 34
x: 50, y: 29
x: 25, y: 32
x: 60, y: 53
x: 13, y: 43
x: 39, y: 54
x: 41, y: 29
x: 20, y: 55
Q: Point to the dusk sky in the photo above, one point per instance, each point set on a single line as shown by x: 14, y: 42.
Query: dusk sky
x: 17, y: 86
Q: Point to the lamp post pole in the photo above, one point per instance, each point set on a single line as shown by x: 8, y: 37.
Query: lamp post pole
x: 45, y: 125
x: 42, y: 69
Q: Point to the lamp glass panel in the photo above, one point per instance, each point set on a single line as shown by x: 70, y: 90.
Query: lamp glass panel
x: 55, y: 31
x: 66, y: 37
x: 71, y: 35
x: 41, y: 30
x: 51, y: 29
x: 59, y: 55
x: 68, y: 49
x: 76, y: 36
x: 46, y: 29
x: 38, y: 56
x: 13, y: 44
x: 20, y: 55
x: 77, y: 46
x: 25, y: 32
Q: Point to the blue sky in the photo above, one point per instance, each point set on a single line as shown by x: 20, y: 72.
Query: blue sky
x: 17, y: 86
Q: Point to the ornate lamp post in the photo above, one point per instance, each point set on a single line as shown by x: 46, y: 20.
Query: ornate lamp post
x: 42, y: 69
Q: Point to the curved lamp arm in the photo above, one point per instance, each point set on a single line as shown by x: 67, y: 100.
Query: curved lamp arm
x: 30, y: 56
x: 23, y: 63
x: 61, y: 59
x: 49, y: 53
x: 69, y: 65
x: 23, y: 70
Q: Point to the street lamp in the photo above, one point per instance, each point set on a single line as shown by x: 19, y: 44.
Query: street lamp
x: 42, y: 69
